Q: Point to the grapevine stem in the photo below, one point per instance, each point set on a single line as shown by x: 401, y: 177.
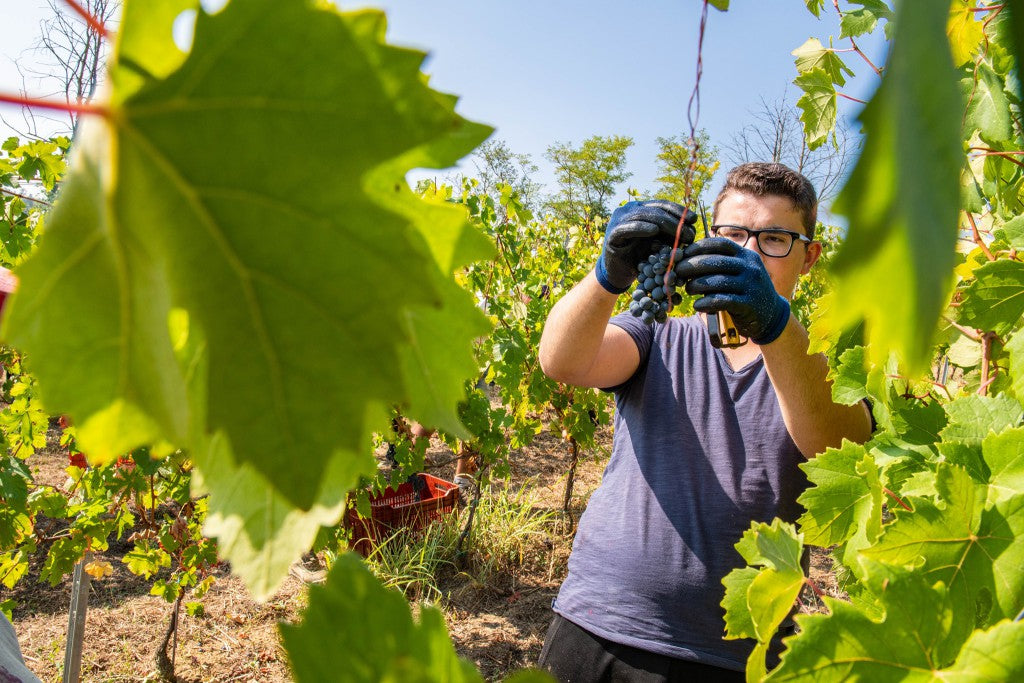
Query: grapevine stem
x: 933, y: 382
x: 58, y: 105
x: 850, y: 97
x: 987, y: 152
x: 989, y: 8
x: 977, y: 236
x: 973, y: 335
x: 94, y: 23
x: 986, y: 360
x: 814, y: 587
x: 21, y: 196
x: 897, y: 499
x: 878, y: 71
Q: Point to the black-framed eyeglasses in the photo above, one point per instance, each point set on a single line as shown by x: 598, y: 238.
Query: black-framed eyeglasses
x: 774, y: 242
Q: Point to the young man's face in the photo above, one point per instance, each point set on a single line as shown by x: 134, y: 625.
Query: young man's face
x: 756, y: 213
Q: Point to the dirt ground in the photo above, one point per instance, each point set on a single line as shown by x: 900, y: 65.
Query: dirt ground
x: 499, y: 626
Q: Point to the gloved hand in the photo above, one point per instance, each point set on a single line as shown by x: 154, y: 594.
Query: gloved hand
x: 631, y: 232
x: 734, y: 279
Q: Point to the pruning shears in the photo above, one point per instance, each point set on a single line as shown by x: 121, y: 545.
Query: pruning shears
x: 721, y: 328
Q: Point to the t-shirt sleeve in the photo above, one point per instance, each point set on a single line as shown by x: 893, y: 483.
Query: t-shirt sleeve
x: 643, y: 337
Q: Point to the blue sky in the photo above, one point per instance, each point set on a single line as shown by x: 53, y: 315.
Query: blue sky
x: 563, y: 70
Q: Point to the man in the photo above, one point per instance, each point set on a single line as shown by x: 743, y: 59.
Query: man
x: 706, y: 440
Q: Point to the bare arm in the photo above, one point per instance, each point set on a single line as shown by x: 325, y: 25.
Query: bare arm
x: 579, y: 347
x: 805, y: 395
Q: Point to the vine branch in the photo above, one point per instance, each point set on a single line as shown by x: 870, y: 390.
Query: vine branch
x: 897, y: 499
x: 94, y: 23
x: 977, y: 236
x: 12, y: 193
x: 856, y: 48
x: 56, y: 105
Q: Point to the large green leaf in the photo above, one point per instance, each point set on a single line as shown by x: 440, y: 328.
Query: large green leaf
x: 758, y: 601
x: 972, y: 418
x: 846, y: 496
x: 974, y: 549
x: 817, y: 106
x: 894, y: 268
x: 912, y: 642
x: 995, y: 300
x: 356, y: 630
x: 259, y: 186
x: 1004, y: 456
x: 988, y: 110
x: 859, y: 21
x: 813, y: 55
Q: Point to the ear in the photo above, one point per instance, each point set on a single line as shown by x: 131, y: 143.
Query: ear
x: 811, y: 255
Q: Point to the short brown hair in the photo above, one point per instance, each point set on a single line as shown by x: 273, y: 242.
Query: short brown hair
x: 769, y: 179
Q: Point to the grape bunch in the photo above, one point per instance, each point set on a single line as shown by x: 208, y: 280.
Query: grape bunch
x: 655, y: 293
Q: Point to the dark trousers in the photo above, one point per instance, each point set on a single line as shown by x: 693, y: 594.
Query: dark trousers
x: 574, y: 655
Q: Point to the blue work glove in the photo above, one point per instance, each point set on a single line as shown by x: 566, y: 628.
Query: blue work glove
x: 733, y: 279
x: 631, y: 233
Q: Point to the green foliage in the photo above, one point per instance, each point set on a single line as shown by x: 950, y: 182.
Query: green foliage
x: 924, y: 520
x: 295, y: 331
x: 757, y: 601
x: 355, y: 625
x: 903, y: 209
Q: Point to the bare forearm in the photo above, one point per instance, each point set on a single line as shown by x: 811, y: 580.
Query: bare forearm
x: 574, y: 331
x: 814, y: 421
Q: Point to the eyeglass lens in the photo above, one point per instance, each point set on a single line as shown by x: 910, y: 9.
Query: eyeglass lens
x: 771, y: 242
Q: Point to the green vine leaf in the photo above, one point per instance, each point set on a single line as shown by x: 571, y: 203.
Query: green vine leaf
x: 972, y: 418
x: 846, y: 497
x: 902, y: 197
x: 758, y: 601
x: 995, y: 299
x: 353, y: 624
x: 290, y: 275
x: 964, y: 31
x: 988, y: 109
x: 817, y: 106
x: 860, y: 21
x: 912, y: 641
x: 975, y: 549
x: 812, y: 55
x: 1004, y: 455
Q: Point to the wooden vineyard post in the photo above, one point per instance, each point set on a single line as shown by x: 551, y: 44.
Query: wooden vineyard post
x: 76, y: 621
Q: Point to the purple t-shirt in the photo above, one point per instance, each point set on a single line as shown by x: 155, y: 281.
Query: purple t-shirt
x: 700, y: 450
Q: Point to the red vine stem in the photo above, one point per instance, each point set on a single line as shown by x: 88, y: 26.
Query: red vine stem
x: 692, y: 117
x: 986, y: 152
x: 850, y: 97
x: 21, y: 196
x: 990, y: 8
x: 878, y: 71
x: 973, y: 335
x: 977, y: 237
x: 897, y: 499
x: 814, y: 587
x: 58, y: 105
x: 94, y: 23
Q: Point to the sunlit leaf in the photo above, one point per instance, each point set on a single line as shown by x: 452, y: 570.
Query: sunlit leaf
x: 964, y: 31
x: 356, y: 626
x: 287, y: 260
x: 817, y: 106
x: 995, y: 300
x: 894, y: 268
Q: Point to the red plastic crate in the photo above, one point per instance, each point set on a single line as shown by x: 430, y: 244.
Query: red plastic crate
x: 402, y: 508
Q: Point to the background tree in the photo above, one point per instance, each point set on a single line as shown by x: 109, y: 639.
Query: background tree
x: 497, y: 164
x: 71, y: 63
x: 674, y: 155
x: 776, y: 134
x: 587, y: 177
